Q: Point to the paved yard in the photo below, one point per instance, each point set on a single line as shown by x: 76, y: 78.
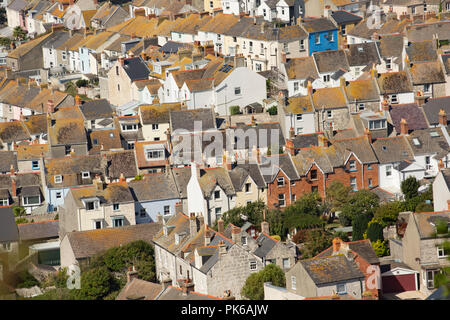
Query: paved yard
x: 407, y: 295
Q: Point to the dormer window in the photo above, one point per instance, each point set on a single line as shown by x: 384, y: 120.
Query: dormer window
x: 154, y: 154
x: 352, y: 165
x: 91, y: 204
x: 280, y: 181
x: 58, y: 179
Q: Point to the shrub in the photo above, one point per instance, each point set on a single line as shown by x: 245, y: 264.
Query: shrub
x: 273, y: 110
x: 424, y: 207
x: 95, y: 284
x: 253, y: 288
x: 235, y: 110
x: 360, y: 226
x: 381, y: 248
x: 26, y: 280
x: 81, y: 83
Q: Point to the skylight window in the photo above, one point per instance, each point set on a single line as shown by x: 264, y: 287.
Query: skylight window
x: 434, y: 134
x: 416, y: 142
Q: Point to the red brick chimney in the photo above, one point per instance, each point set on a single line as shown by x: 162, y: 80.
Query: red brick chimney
x: 50, y: 106
x: 442, y: 117
x: 368, y: 135
x: 440, y: 165
x: 385, y: 105
x: 122, y: 177
x: 336, y: 244
x: 11, y: 169
x: 131, y: 274
x: 77, y: 100
x: 13, y: 188
x: 207, y: 236
x: 404, y: 127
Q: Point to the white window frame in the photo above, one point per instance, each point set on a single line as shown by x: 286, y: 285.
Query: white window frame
x: 341, y: 291
x: 293, y: 282
x: 116, y: 206
x: 35, y: 165
x: 166, y: 210
x: 57, y: 179
x: 280, y: 182
x: 281, y: 200
x: 4, y: 202
x: 441, y: 252
x: 118, y: 219
x: 85, y: 175
x: 253, y: 265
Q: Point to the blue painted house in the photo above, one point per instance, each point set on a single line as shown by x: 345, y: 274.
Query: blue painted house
x: 155, y: 194
x: 322, y: 34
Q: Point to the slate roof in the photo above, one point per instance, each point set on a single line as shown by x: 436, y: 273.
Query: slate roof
x: 240, y: 173
x: 136, y: 68
x: 429, y: 141
x: 329, y: 98
x: 17, y: 5
x: 271, y: 165
x: 265, y: 244
x: 184, y: 119
x: 331, y: 61
x: 173, y: 47
x: 425, y: 31
x: 36, y: 124
x: 362, y: 54
x: 38, y: 230
x: 362, y: 90
x: 332, y: 269
x: 156, y: 186
x: 104, y: 140
x: 89, y: 243
x: 8, y: 159
x: 113, y: 193
x: 446, y: 175
x: 306, y: 140
x: 411, y: 113
x: 392, y: 149
x: 391, y: 46
x: 432, y: 107
x: 8, y: 227
x: 268, y: 129
x: 345, y: 17
x: 96, y: 109
x: 182, y: 176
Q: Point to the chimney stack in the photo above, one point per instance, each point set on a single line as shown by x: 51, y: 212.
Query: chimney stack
x: 236, y: 235
x: 404, y: 127
x: 220, y: 226
x: 309, y: 88
x: 11, y: 169
x: 323, y: 141
x: 50, y: 106
x: 207, y: 236
x: 442, y: 117
x: 385, y: 105
x: 131, y: 274
x: 77, y: 100
x: 192, y: 224
x: 368, y: 135
x: 265, y: 227
x: 336, y: 244
x: 122, y: 177
x: 440, y: 165
x: 13, y: 187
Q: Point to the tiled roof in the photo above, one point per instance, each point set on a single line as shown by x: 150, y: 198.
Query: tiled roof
x: 427, y: 72
x: 8, y: 227
x: 32, y: 151
x: 331, y: 61
x: 67, y: 131
x: 301, y: 68
x: 184, y: 119
x: 104, y: 140
x: 392, y: 149
x: 96, y: 109
x: 153, y: 187
x: 89, y: 243
x: 121, y: 162
x: 432, y: 107
x: 317, y: 24
x: 299, y: 104
x: 141, y: 290
x: 362, y: 90
x: 420, y: 51
x: 426, y: 222
x: 394, y: 82
x: 332, y: 269
x: 329, y: 98
x: 13, y: 131
x: 391, y: 46
x: 8, y: 159
x: 362, y: 54
x: 136, y: 68
x: 345, y: 17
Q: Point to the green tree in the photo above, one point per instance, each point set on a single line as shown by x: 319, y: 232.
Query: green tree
x: 342, y: 235
x: 375, y: 232
x: 235, y: 110
x: 387, y: 213
x: 304, y: 213
x: 81, y: 83
x: 5, y: 42
x: 253, y: 288
x: 410, y: 187
x: 442, y: 280
x: 360, y: 202
x: 381, y: 248
x: 316, y: 241
x: 359, y: 224
x: 18, y: 211
x: 273, y: 110
x: 337, y: 195
x: 95, y: 283
x: 19, y: 33
x: 252, y: 212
